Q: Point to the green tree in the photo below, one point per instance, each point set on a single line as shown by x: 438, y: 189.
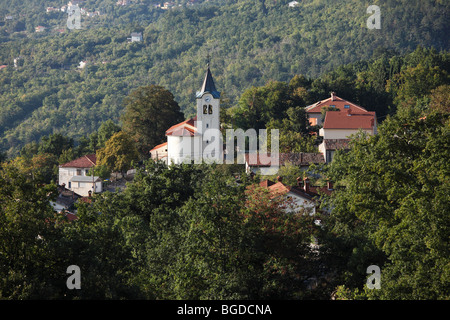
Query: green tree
x: 149, y: 112
x: 30, y: 260
x: 119, y: 153
x: 393, y: 209
x: 55, y: 144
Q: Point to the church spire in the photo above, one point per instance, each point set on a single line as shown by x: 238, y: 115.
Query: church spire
x: 208, y: 85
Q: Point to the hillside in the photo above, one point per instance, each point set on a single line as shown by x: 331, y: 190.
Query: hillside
x: 250, y: 43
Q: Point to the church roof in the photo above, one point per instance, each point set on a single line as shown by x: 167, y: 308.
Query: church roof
x: 185, y: 128
x: 208, y: 86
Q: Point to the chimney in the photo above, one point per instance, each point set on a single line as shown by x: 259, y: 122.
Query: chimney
x: 329, y: 185
x: 333, y: 96
x: 306, y: 185
x: 300, y: 182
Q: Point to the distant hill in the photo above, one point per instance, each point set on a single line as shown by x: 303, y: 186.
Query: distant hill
x: 250, y: 42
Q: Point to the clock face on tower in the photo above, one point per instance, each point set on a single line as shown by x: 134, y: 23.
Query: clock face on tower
x: 208, y: 99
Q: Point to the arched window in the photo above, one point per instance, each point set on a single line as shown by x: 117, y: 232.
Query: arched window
x: 205, y: 109
x: 210, y: 109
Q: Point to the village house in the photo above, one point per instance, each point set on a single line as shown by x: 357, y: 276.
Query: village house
x: 302, y: 160
x: 135, y: 37
x: 159, y: 153
x: 339, y: 126
x: 39, y: 29
x: 73, y: 175
x: 316, y: 116
x: 301, y: 197
x: 339, y: 119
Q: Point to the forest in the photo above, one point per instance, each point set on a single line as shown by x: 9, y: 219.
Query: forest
x: 250, y: 44
x: 210, y: 232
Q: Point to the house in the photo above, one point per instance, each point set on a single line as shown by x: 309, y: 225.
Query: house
x: 329, y: 146
x: 339, y: 126
x: 188, y: 140
x: 159, y: 152
x: 51, y: 9
x: 74, y: 176
x: 135, y: 37
x: 3, y: 66
x: 40, y: 29
x: 302, y: 196
x: 301, y: 159
x: 82, y: 64
x: 342, y: 124
x: 65, y: 200
x: 314, y: 111
x: 293, y: 4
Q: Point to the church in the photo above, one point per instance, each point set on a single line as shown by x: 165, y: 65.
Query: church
x: 197, y: 139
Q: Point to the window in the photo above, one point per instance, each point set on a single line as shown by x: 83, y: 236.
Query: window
x: 347, y: 106
x: 70, y: 185
x: 86, y: 172
x: 210, y: 109
x: 78, y: 172
x: 205, y: 109
x: 207, y: 125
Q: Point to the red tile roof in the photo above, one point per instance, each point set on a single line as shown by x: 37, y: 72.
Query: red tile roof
x: 279, y: 188
x: 159, y: 146
x: 185, y: 128
x: 297, y: 159
x: 338, y: 102
x: 87, y: 161
x: 337, y: 144
x: 348, y: 120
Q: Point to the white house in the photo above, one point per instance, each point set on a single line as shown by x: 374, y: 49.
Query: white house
x: 338, y: 128
x: 293, y: 4
x: 198, y: 139
x: 342, y: 124
x: 73, y: 176
x: 136, y: 37
x: 159, y: 152
x: 301, y: 197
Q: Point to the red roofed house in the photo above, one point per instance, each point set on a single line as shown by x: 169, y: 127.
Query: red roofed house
x: 159, y: 152
x: 197, y: 138
x: 340, y: 125
x: 302, y: 160
x: 73, y: 175
x: 314, y: 111
x: 303, y: 196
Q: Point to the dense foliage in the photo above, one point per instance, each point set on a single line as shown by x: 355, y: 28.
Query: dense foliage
x: 250, y: 43
x: 210, y: 232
